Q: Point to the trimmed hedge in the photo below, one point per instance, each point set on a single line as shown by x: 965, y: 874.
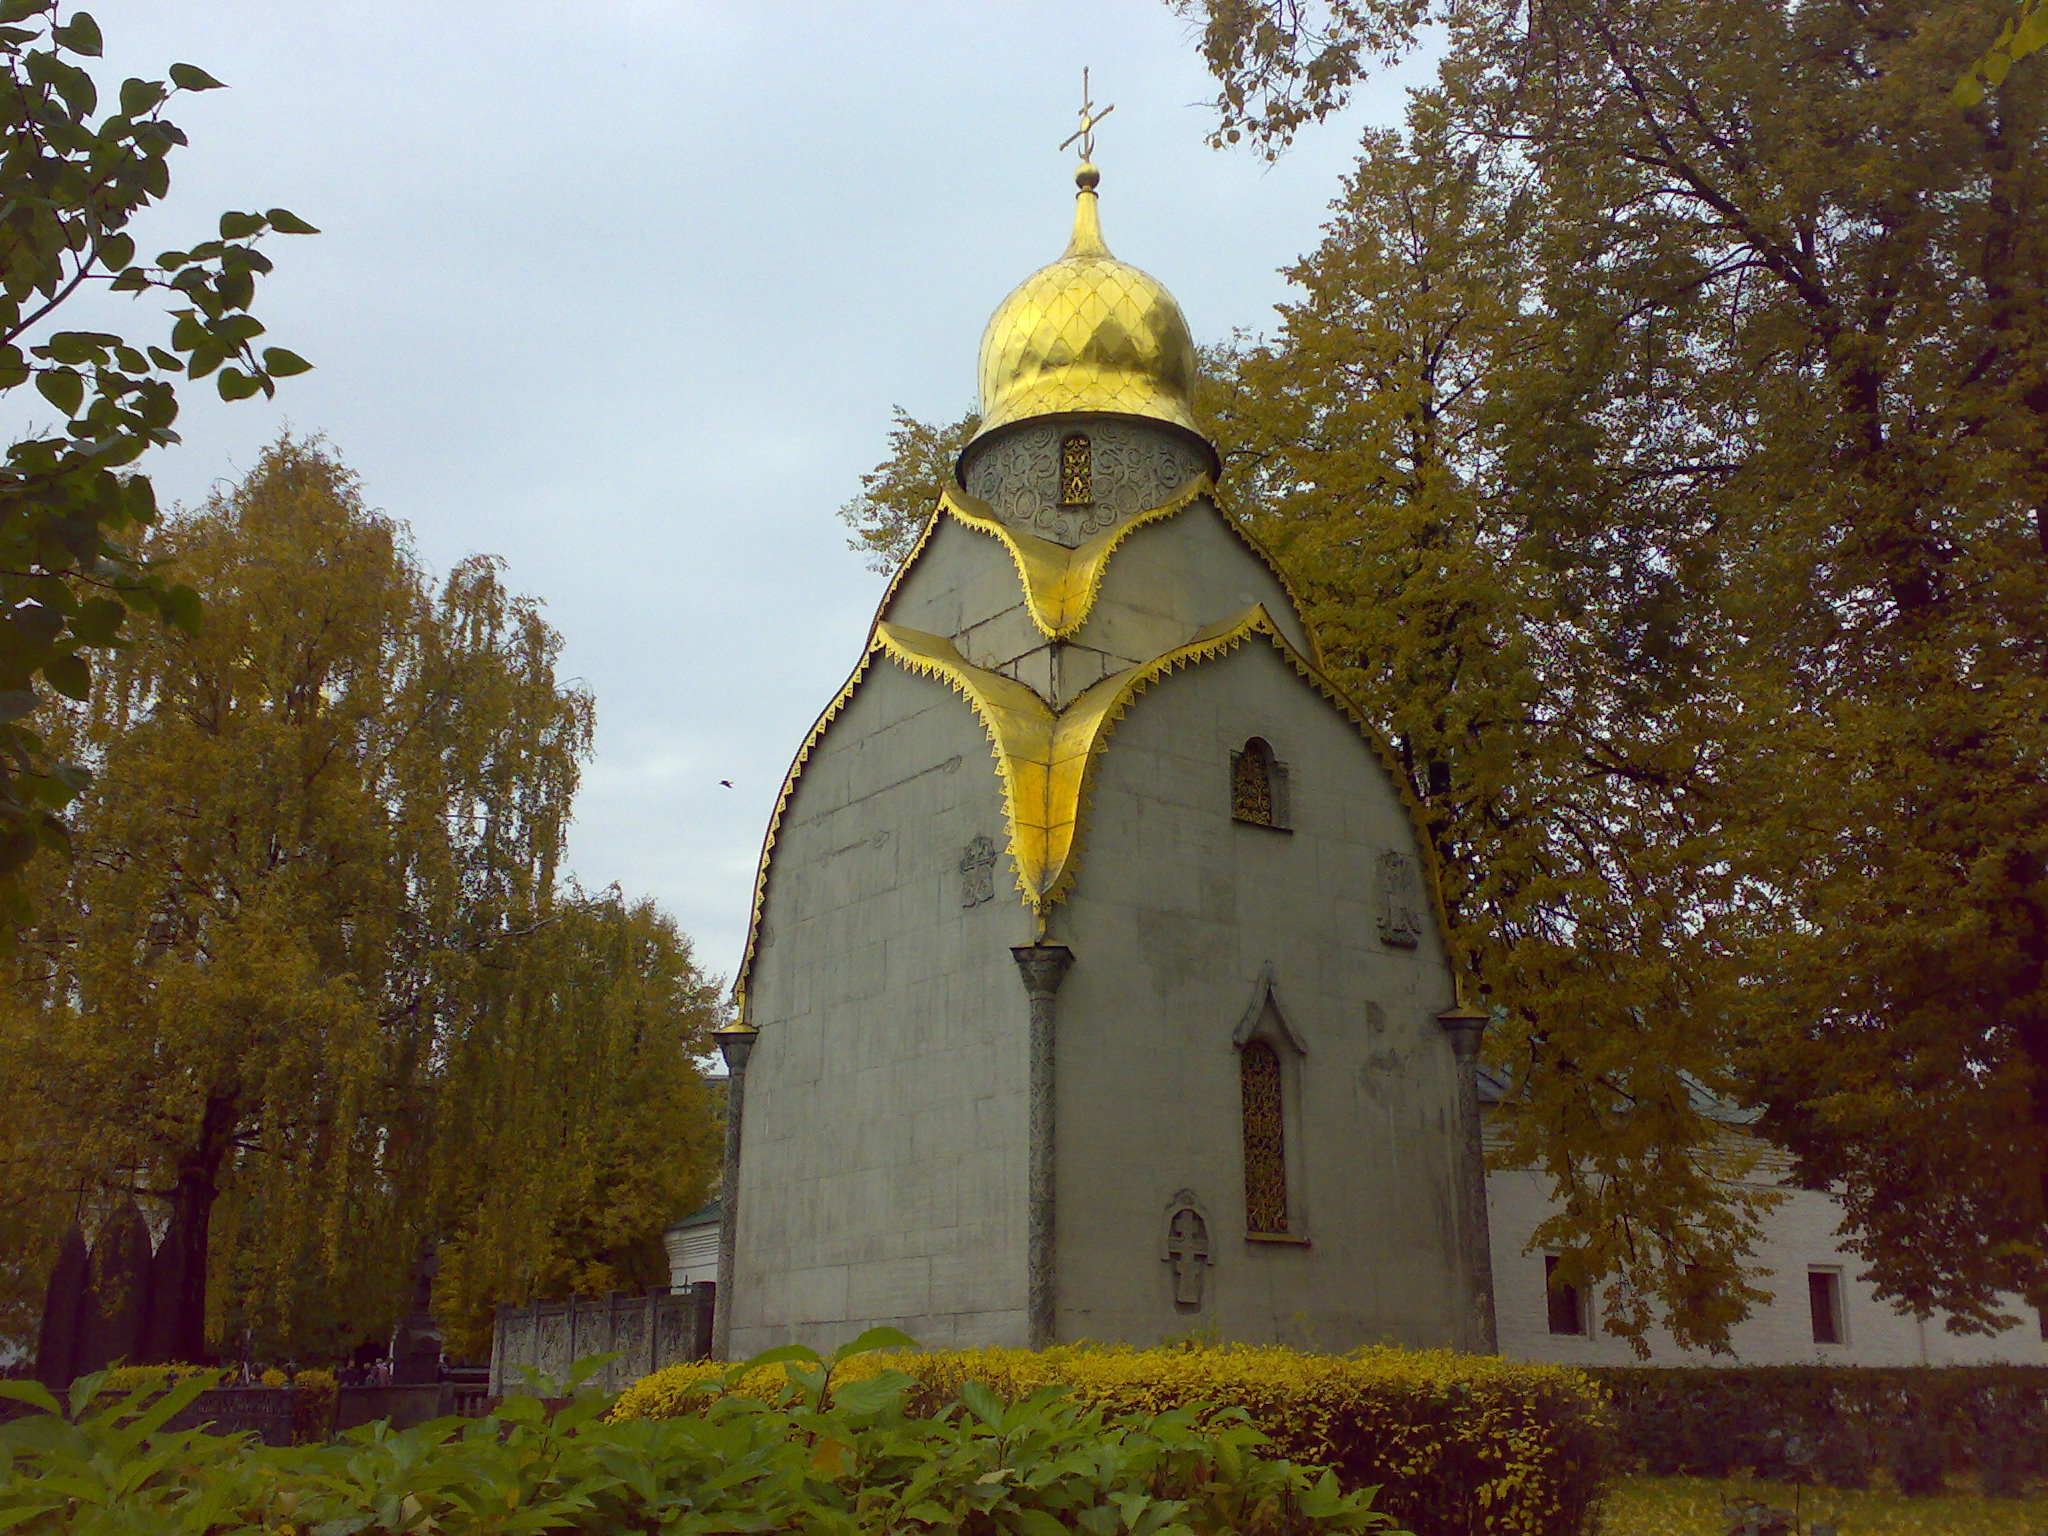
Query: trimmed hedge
x: 1455, y: 1443
x: 826, y: 1458
x: 1835, y: 1424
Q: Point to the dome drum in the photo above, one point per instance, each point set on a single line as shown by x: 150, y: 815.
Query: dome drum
x: 1098, y: 424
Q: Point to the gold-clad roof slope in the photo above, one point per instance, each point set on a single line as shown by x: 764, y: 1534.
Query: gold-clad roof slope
x: 1088, y: 333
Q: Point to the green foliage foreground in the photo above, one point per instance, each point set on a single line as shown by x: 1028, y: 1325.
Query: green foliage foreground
x: 820, y: 1458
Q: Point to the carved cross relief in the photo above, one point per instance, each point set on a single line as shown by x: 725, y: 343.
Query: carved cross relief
x: 1186, y: 1248
x: 1400, y: 900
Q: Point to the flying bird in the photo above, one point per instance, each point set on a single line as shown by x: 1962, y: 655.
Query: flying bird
x: 725, y: 783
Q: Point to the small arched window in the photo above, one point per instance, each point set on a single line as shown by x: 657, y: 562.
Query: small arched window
x: 1265, y: 1139
x: 1258, y: 786
x: 1077, y: 471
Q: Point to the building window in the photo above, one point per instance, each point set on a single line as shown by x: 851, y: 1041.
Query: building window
x: 1265, y: 1140
x: 1258, y: 786
x: 1567, y: 1311
x: 1077, y: 471
x: 1824, y: 1301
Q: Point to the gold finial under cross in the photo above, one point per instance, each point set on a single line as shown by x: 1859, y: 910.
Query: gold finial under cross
x: 1089, y: 118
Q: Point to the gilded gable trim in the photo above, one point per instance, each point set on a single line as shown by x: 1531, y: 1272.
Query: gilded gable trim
x: 1046, y: 760
x: 1061, y: 584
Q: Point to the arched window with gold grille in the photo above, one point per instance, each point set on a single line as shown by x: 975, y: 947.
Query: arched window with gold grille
x: 1077, y: 471
x: 1258, y: 786
x: 1265, y: 1139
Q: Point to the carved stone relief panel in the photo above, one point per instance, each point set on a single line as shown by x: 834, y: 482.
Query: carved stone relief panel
x: 1022, y: 475
x: 978, y: 872
x: 553, y: 1346
x: 629, y: 1338
x: 1185, y: 1248
x: 1400, y: 900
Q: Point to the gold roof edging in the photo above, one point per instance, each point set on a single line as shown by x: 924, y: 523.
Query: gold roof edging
x: 803, y: 753
x: 1418, y: 820
x: 1051, y: 757
x: 1061, y: 584
x: 1218, y: 640
x: 1050, y: 571
x: 1265, y: 557
x: 1022, y: 731
x: 1086, y: 723
x: 1103, y: 706
x: 1045, y: 757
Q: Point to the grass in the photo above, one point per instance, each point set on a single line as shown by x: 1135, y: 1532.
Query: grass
x: 1691, y: 1506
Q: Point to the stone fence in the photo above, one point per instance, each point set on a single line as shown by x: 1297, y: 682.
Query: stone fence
x: 644, y: 1332
x: 265, y: 1412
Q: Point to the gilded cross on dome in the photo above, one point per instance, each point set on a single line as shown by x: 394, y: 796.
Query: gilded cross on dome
x: 1089, y: 118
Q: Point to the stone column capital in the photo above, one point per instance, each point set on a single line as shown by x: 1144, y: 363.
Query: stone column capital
x: 1043, y: 966
x: 1465, y: 1026
x: 736, y: 1044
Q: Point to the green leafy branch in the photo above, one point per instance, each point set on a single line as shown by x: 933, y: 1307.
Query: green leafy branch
x: 2024, y: 32
x: 72, y: 179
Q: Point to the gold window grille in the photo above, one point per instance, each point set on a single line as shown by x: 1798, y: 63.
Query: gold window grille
x: 1077, y: 471
x: 1265, y: 1139
x: 1251, y: 784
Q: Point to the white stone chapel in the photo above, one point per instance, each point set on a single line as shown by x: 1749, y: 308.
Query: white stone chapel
x: 1096, y: 985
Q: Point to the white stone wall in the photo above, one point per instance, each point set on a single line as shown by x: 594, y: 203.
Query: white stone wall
x: 1799, y: 1235
x: 882, y: 1177
x: 1176, y: 910
x: 1171, y: 578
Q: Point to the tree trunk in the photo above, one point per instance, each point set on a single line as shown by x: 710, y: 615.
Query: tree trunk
x: 178, y: 1312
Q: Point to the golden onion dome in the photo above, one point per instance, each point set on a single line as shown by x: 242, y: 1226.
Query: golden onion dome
x: 1088, y: 333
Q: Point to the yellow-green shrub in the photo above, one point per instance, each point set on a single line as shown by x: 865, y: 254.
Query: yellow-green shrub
x: 126, y: 1378
x: 313, y: 1407
x: 1456, y: 1443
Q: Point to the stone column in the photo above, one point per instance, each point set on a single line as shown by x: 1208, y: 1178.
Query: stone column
x: 1044, y: 967
x: 1466, y: 1026
x: 736, y: 1045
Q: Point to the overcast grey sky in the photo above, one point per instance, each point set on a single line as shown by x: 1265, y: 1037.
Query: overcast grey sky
x: 624, y: 292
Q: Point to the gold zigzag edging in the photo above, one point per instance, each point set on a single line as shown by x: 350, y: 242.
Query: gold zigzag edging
x: 1045, y: 759
x: 796, y: 768
x: 1061, y: 584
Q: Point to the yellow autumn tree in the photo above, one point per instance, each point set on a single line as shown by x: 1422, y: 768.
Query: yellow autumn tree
x: 324, y: 828
x: 583, y: 1125
x: 1771, y: 423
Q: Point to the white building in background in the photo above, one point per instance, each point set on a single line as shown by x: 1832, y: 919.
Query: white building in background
x: 692, y: 1245
x: 1820, y: 1311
